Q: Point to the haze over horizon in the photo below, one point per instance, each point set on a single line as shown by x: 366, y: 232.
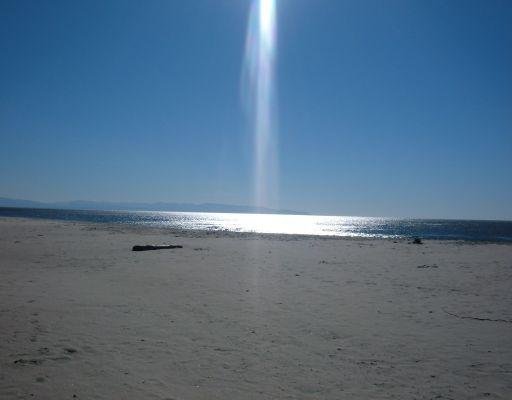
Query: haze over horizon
x: 207, y: 207
x: 396, y: 109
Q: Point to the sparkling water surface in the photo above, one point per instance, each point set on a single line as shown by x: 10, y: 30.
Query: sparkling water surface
x: 369, y: 227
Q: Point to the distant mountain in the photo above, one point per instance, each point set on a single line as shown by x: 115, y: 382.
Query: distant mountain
x: 4, y: 202
x: 127, y: 206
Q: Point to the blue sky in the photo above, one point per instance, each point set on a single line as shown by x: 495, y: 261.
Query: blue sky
x: 396, y: 108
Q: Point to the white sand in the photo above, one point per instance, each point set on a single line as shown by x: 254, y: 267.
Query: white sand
x: 240, y: 317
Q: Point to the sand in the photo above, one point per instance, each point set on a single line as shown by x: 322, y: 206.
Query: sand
x: 245, y: 317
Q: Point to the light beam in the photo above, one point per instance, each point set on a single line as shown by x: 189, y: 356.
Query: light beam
x: 259, y: 94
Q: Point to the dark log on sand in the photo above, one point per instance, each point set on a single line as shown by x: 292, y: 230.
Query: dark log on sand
x: 152, y: 247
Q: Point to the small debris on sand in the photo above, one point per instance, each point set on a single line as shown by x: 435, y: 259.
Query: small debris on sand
x: 70, y: 350
x: 32, y: 361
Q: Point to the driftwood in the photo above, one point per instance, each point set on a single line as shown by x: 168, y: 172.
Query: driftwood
x: 152, y: 247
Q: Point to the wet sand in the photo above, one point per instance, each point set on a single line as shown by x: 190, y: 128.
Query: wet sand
x: 244, y: 317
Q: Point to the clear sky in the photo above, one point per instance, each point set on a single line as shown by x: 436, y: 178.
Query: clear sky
x: 386, y: 108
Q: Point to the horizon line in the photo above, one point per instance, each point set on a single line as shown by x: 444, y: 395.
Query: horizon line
x: 53, y: 205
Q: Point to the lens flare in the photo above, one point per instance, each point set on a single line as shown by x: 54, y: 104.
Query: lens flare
x: 259, y: 94
x: 267, y: 19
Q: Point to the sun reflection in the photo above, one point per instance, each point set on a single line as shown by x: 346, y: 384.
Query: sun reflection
x: 273, y: 223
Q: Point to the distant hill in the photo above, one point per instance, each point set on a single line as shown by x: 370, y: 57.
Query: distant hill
x: 127, y: 206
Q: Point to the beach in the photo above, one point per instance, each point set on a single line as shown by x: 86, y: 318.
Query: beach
x: 245, y: 316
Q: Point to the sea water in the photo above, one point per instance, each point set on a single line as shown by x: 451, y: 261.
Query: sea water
x: 343, y: 226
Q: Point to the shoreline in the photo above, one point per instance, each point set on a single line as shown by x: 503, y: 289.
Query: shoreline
x: 198, y: 233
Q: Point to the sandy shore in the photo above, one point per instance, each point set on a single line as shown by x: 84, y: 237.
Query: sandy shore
x: 239, y: 317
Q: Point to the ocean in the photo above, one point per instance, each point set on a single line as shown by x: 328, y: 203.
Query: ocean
x: 364, y: 227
